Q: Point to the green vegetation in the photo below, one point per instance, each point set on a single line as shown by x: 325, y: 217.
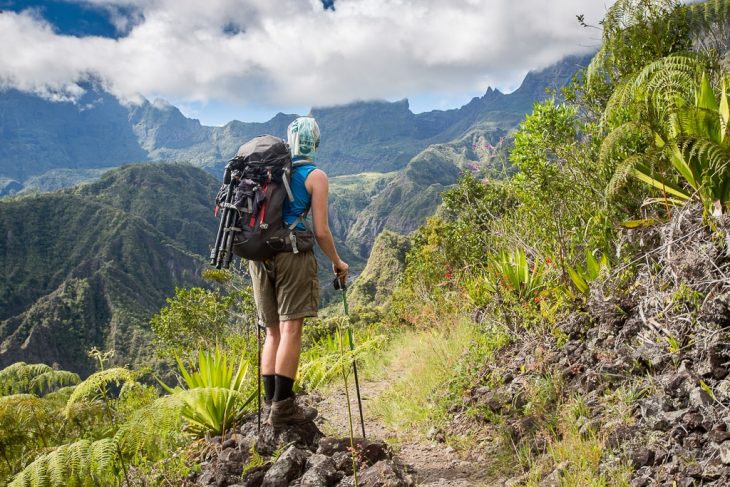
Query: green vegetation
x: 216, y: 393
x: 198, y: 318
x: 467, y: 314
x: 98, y: 431
x: 521, y: 256
x: 87, y: 267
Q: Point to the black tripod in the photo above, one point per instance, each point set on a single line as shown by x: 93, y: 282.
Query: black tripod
x: 222, y: 253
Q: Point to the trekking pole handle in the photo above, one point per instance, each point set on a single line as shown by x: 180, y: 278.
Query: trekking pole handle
x: 338, y: 284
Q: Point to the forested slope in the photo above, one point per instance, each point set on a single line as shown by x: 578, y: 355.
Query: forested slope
x: 87, y: 267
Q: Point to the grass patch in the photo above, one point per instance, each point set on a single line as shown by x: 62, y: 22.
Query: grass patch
x: 573, y: 456
x: 368, y: 182
x: 423, y: 361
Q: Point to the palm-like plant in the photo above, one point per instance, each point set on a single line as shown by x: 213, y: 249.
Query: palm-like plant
x: 216, y: 394
x: 581, y: 277
x: 515, y: 272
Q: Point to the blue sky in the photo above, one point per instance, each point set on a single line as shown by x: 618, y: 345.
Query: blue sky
x: 68, y: 18
x: 249, y: 59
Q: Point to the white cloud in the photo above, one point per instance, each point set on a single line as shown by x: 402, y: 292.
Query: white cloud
x: 292, y: 52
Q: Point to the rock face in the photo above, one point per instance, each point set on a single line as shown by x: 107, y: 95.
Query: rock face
x: 298, y: 455
x: 664, y: 335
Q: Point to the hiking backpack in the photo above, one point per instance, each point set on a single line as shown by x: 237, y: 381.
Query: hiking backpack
x: 260, y: 176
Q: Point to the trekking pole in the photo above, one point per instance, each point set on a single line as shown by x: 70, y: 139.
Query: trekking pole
x: 343, y: 287
x: 258, y: 376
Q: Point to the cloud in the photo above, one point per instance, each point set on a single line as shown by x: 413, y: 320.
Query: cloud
x: 294, y: 52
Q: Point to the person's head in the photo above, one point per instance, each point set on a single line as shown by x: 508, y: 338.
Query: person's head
x: 303, y: 137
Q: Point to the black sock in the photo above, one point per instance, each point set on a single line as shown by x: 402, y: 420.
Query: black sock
x: 284, y: 388
x: 269, y: 386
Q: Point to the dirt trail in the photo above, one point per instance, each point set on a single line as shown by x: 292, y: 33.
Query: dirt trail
x: 434, y: 464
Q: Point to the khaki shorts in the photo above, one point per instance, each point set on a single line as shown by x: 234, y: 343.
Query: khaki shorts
x: 286, y: 287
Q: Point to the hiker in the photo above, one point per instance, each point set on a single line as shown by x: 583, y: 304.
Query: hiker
x: 286, y: 286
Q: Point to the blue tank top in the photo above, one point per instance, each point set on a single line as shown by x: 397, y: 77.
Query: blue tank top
x: 302, y: 199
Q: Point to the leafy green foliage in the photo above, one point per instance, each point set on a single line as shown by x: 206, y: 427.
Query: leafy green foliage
x: 519, y: 277
x: 582, y: 276
x: 635, y: 32
x: 21, y: 378
x: 84, y: 463
x: 94, y: 432
x: 685, y: 150
x: 648, y: 110
x: 324, y: 360
x: 198, y: 318
x: 216, y: 394
x: 96, y: 386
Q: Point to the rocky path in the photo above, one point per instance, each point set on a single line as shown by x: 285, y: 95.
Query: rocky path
x: 434, y: 464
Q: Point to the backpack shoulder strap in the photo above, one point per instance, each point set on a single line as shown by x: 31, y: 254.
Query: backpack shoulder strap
x: 300, y: 219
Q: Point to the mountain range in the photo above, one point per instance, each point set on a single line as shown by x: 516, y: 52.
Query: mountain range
x: 38, y: 137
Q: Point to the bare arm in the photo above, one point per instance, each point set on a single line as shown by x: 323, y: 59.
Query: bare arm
x: 318, y: 186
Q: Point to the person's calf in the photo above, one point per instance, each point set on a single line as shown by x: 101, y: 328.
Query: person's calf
x: 290, y: 346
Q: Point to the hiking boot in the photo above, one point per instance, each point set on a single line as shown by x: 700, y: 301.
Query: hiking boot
x: 289, y: 412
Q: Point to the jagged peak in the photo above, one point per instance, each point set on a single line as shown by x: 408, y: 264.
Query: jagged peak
x: 162, y: 104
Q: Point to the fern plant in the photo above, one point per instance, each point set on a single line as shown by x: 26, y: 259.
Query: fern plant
x: 53, y: 380
x: 324, y: 360
x: 16, y: 378
x: 161, y: 416
x: 95, y: 387
x: 634, y: 32
x: 677, y: 135
x: 83, y: 463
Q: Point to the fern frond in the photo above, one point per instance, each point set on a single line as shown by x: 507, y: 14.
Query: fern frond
x: 706, y: 18
x: 16, y: 397
x: 322, y: 362
x: 103, y: 458
x: 597, y: 65
x: 39, y: 474
x: 163, y: 417
x: 706, y: 154
x: 659, y: 86
x: 53, y: 379
x: 668, y: 80
x: 631, y: 134
x: 58, y: 466
x: 80, y: 463
x: 16, y: 377
x: 61, y: 394
x: 624, y: 172
x: 93, y: 386
x: 620, y: 100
